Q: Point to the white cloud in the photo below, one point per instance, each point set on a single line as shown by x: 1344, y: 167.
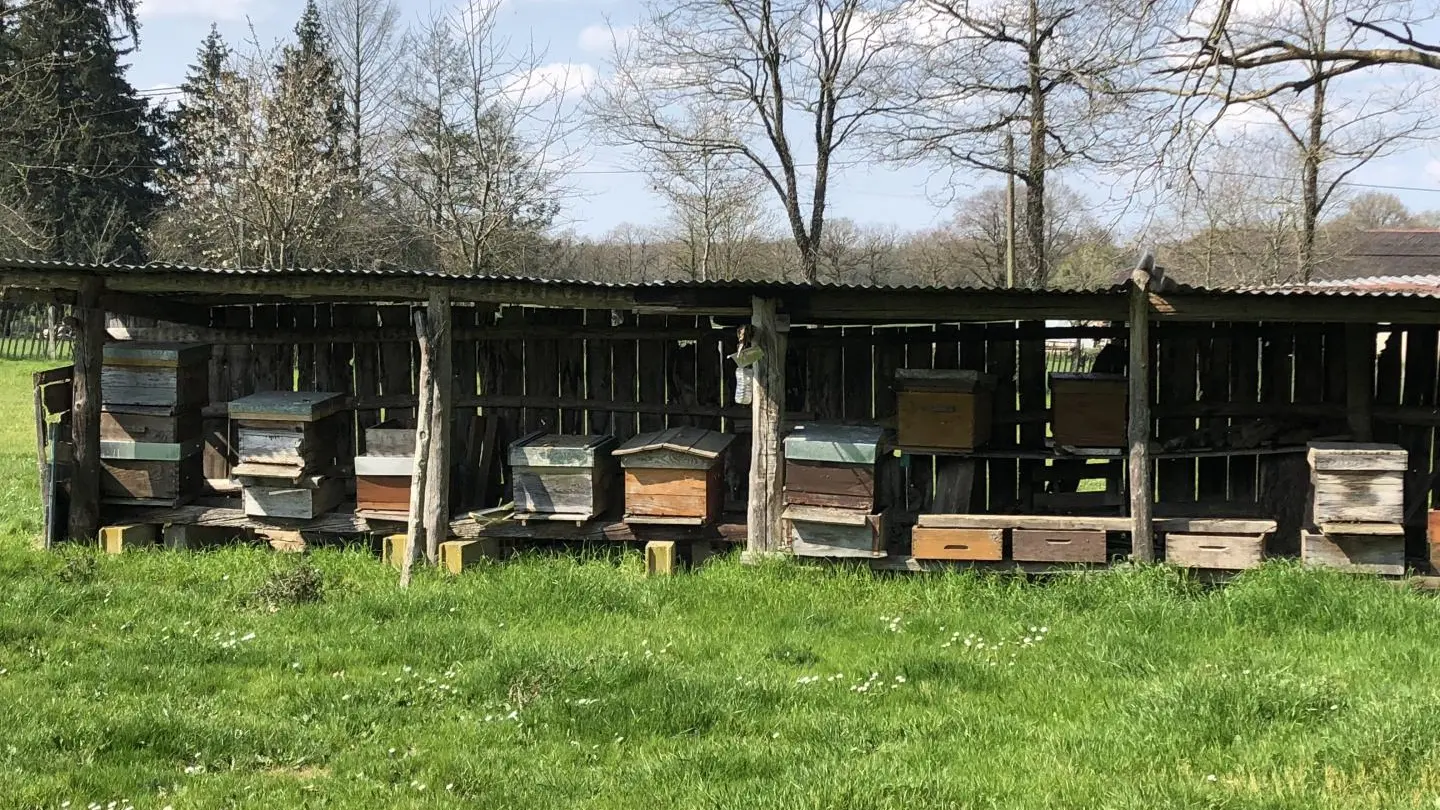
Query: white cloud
x: 557, y: 81
x: 603, y: 39
x: 218, y: 10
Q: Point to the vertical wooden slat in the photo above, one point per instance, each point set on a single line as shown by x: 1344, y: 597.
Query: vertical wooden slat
x: 858, y: 373
x: 1000, y: 360
x: 1031, y: 387
x: 710, y: 374
x: 1419, y: 392
x: 651, y: 370
x: 305, y: 351
x: 971, y: 355
x: 825, y: 369
x: 467, y: 486
x: 340, y: 376
x: 920, y: 353
x: 767, y: 409
x: 266, y: 365
x: 623, y: 358
x: 598, y: 372
x: 1140, y: 470
x: 570, y: 363
x: 1175, y: 478
x: 541, y: 373
x: 367, y: 367
x: 510, y: 379
x: 1283, y: 481
x: 1309, y: 364
x: 420, y: 463
x: 215, y: 459
x: 89, y: 347
x: 1388, y: 368
x: 1211, y: 473
x: 395, y: 361
x: 680, y: 365
x: 889, y: 356
x: 1359, y: 394
x: 437, y: 478
x: 1244, y: 388
x: 242, y: 380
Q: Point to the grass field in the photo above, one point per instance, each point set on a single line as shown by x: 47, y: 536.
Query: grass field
x: 229, y: 679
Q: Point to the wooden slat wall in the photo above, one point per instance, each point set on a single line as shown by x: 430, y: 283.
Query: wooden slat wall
x: 1418, y: 392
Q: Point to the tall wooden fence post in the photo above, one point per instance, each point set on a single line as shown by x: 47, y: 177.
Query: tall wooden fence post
x: 89, y: 348
x: 437, y: 480
x: 420, y: 466
x: 767, y: 407
x: 1142, y: 482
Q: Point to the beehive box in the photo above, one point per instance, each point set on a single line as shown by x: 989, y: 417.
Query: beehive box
x: 166, y: 377
x: 287, y: 442
x: 1041, y: 545
x: 309, y: 497
x: 382, y: 483
x: 393, y: 437
x: 833, y: 466
x: 943, y: 409
x: 1089, y: 410
x: 824, y: 532
x: 1375, y: 552
x: 150, y: 473
x: 674, y: 476
x: 1357, y: 483
x: 946, y: 543
x: 1214, y: 551
x: 562, y: 477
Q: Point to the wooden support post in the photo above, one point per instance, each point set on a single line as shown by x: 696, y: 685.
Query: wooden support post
x: 1360, y: 380
x: 767, y: 405
x: 437, y: 479
x: 89, y: 347
x: 415, y: 533
x: 1142, y: 482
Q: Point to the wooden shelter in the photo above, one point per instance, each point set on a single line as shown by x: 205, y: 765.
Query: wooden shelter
x: 1226, y: 388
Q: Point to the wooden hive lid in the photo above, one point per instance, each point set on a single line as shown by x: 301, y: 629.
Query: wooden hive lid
x: 845, y: 444
x: 708, y: 444
x: 287, y: 406
x: 951, y: 380
x: 1087, y: 379
x: 541, y: 449
x: 1356, y: 456
x: 155, y: 354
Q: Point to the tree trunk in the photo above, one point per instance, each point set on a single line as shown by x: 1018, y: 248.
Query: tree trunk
x: 1310, y: 179
x: 1037, y: 263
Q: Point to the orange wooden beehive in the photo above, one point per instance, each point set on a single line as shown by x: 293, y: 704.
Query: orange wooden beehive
x: 674, y: 476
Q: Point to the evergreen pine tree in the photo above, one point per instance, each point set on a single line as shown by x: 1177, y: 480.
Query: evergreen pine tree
x: 83, y: 145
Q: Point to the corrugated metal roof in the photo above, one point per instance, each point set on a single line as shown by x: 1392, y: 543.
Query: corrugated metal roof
x: 421, y: 273
x: 1407, y: 286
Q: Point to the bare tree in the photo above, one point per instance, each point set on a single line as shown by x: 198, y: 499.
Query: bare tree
x: 1076, y: 244
x: 1052, y: 72
x: 1374, y: 210
x: 366, y: 42
x: 1334, y: 127
x: 794, y: 78
x: 482, y: 146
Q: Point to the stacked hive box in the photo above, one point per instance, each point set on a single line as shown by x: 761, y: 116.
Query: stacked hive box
x: 561, y: 477
x: 150, y: 438
x: 943, y: 409
x: 287, y: 453
x: 1089, y: 410
x: 1357, y: 507
x: 830, y: 491
x: 382, y: 475
x: 674, y: 476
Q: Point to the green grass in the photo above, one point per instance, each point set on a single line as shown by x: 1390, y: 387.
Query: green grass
x: 555, y: 682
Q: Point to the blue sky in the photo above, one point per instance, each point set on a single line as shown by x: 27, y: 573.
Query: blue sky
x: 607, y: 194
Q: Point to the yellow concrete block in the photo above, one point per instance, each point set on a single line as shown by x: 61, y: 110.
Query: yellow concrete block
x: 660, y: 557
x: 457, y: 555
x: 117, y: 539
x: 392, y: 550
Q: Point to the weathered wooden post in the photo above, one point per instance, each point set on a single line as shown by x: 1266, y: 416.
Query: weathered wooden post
x: 1359, y: 380
x: 437, y: 479
x: 767, y: 406
x: 89, y: 347
x: 1142, y: 482
x: 419, y: 471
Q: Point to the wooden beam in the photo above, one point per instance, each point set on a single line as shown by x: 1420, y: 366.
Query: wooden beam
x: 401, y: 334
x: 1360, y: 380
x: 437, y: 480
x: 88, y: 348
x: 415, y: 525
x: 1142, y: 483
x: 767, y: 479
x: 1294, y: 308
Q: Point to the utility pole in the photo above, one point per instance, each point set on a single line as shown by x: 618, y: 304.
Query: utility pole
x: 1010, y: 210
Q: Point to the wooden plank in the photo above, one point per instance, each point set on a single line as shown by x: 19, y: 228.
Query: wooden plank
x: 1043, y: 522
x: 920, y: 359
x: 889, y: 358
x: 390, y: 438
x: 1141, y: 474
x: 1031, y: 545
x: 1365, y: 529
x: 1211, y: 474
x: 624, y: 387
x: 148, y: 451
x: 367, y: 367
x: 809, y: 539
x: 692, y: 441
x: 855, y: 480
x: 710, y: 381
x: 825, y: 369
x: 598, y: 373
x: 1359, y: 352
x: 652, y: 370
x: 268, y: 357
x: 143, y: 427
x: 383, y: 465
x: 1002, y: 474
x: 1030, y: 380
x: 1244, y: 388
x: 570, y: 368
x: 1175, y: 384
x: 767, y: 408
x: 508, y: 376
x: 971, y: 351
x: 396, y: 360
x: 1350, y: 456
x: 858, y: 376
x: 437, y: 480
x: 680, y: 367
x: 87, y: 347
x: 1421, y: 350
